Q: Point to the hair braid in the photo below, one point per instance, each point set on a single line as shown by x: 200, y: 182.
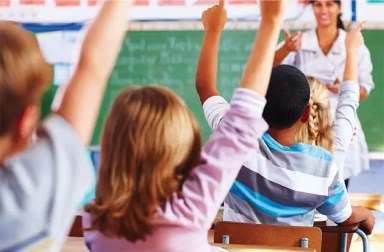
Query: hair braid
x: 318, y: 130
x: 313, y: 123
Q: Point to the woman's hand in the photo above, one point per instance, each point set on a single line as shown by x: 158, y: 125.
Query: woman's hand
x: 292, y: 41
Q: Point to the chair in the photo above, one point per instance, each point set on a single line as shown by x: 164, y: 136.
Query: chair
x: 336, y: 238
x: 77, y: 227
x: 268, y: 235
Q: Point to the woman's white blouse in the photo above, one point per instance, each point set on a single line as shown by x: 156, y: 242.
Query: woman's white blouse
x: 327, y: 68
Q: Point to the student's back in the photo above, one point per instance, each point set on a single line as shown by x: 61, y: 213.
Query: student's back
x: 156, y: 190
x: 43, y: 182
x: 40, y: 187
x: 283, y: 184
x: 285, y: 181
x: 275, y: 187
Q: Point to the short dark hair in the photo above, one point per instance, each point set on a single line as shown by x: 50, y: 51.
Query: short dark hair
x: 287, y: 96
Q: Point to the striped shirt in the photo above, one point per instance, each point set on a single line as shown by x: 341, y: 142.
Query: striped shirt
x: 285, y: 185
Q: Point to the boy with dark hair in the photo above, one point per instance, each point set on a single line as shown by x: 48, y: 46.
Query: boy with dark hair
x: 287, y: 98
x: 284, y: 182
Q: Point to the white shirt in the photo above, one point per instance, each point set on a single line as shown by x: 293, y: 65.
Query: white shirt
x: 41, y: 189
x: 327, y: 68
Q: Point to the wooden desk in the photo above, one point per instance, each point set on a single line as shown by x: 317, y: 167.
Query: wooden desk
x: 370, y: 201
x: 74, y: 244
x: 249, y: 248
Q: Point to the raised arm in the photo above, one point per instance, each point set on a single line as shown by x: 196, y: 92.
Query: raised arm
x: 81, y: 101
x: 236, y: 136
x: 348, y: 100
x: 353, y: 41
x: 214, y: 20
x: 258, y: 70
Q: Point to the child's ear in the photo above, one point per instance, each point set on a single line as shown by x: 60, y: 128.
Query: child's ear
x: 306, y: 114
x: 27, y: 122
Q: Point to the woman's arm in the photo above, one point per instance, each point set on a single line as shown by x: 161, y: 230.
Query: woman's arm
x: 292, y: 44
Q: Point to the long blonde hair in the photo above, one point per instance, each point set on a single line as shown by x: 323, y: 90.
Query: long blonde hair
x: 318, y: 130
x: 150, y: 143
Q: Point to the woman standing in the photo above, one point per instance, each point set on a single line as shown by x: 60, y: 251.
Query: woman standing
x: 321, y: 53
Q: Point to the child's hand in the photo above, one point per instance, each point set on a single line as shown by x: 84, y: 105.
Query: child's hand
x: 354, y: 38
x: 272, y: 9
x: 215, y: 17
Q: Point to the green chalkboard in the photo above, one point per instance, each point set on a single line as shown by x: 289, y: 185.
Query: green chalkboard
x: 169, y: 58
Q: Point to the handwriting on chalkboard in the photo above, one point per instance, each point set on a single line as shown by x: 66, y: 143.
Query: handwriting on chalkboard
x: 170, y: 59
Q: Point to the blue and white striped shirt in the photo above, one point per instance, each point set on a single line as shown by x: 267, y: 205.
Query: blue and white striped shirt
x: 285, y: 185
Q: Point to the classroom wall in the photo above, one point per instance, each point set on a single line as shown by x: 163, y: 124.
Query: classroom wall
x: 169, y: 58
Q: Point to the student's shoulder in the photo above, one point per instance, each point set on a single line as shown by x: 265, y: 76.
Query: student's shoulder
x: 317, y: 152
x: 298, y: 148
x: 56, y: 148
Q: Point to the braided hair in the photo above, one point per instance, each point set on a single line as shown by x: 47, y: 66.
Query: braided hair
x: 318, y: 130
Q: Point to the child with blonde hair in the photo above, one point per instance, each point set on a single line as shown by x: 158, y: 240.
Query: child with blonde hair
x: 157, y: 191
x: 42, y: 183
x: 317, y: 130
x: 334, y: 136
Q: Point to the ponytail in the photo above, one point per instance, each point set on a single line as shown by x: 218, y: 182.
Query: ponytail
x: 340, y: 24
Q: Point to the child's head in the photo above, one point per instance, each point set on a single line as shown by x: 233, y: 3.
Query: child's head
x: 318, y: 130
x: 150, y: 143
x: 23, y: 76
x: 287, y: 97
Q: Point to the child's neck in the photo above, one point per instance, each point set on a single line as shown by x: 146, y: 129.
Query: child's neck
x: 285, y: 137
x: 7, y: 148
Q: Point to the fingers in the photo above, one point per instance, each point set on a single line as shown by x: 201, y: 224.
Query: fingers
x: 297, y: 36
x: 361, y: 26
x: 222, y: 3
x: 287, y: 33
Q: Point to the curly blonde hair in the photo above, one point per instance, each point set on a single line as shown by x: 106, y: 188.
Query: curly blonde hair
x: 318, y: 130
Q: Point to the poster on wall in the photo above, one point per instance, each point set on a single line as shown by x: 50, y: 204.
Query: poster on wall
x: 70, y: 11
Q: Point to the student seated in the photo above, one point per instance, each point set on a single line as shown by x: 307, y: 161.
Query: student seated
x: 157, y: 191
x: 284, y: 181
x: 43, y: 182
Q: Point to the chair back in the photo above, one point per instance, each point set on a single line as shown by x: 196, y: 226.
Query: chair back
x: 268, y: 235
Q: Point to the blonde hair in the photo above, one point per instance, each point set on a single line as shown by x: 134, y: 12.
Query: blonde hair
x: 318, y: 130
x: 150, y: 143
x: 24, y: 73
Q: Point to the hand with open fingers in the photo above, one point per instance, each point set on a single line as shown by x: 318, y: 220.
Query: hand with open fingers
x: 272, y: 9
x: 354, y: 38
x: 215, y: 17
x: 293, y: 41
x: 334, y: 87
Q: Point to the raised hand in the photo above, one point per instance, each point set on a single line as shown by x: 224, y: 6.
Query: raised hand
x: 272, y: 9
x: 215, y: 17
x: 293, y: 41
x: 354, y: 38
